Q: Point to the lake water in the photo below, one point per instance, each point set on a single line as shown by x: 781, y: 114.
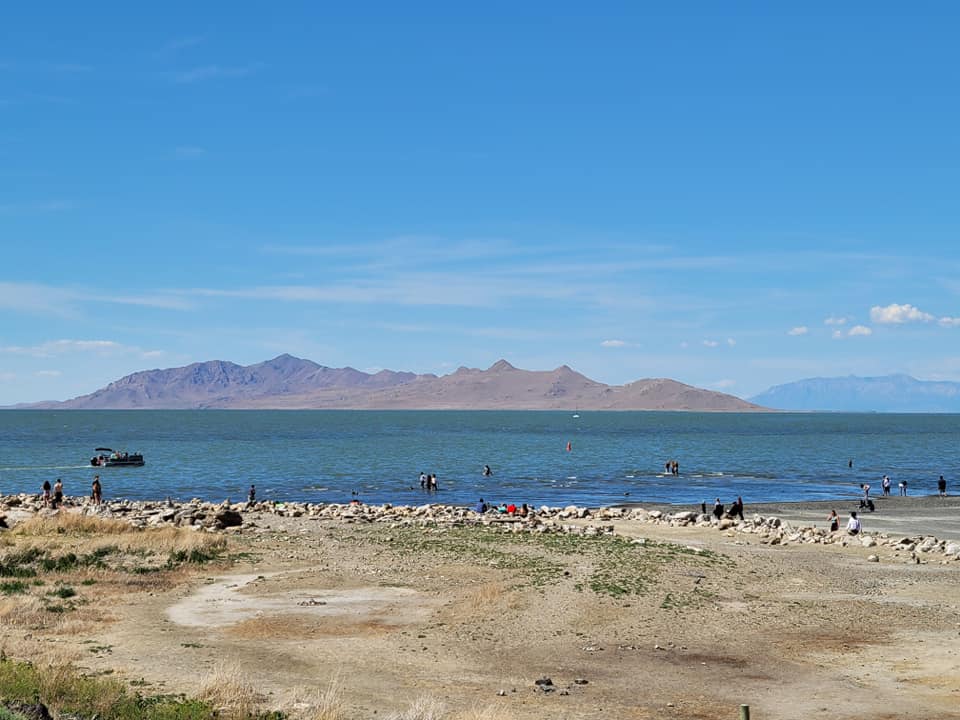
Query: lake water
x: 324, y: 456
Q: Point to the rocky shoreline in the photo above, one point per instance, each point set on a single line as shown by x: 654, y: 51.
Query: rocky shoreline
x: 248, y: 517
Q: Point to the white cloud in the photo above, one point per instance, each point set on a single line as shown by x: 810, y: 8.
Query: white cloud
x: 837, y: 335
x: 613, y: 343
x: 212, y: 72
x: 799, y: 330
x: 835, y: 321
x: 54, y: 348
x: 861, y: 330
x: 949, y: 322
x: 34, y: 298
x: 48, y: 373
x: 731, y: 342
x: 724, y: 384
x: 895, y: 314
x: 710, y: 343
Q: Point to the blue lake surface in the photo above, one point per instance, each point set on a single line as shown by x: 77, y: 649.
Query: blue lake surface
x: 615, y: 457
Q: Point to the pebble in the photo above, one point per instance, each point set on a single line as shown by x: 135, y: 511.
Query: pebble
x: 235, y: 517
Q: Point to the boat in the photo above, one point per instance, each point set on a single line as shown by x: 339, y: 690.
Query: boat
x: 107, y: 457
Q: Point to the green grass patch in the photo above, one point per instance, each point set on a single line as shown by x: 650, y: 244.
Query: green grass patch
x: 6, y: 714
x: 606, y: 564
x: 71, y: 694
x: 13, y: 587
x: 193, y: 557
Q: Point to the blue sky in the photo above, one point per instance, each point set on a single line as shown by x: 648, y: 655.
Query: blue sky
x: 730, y: 194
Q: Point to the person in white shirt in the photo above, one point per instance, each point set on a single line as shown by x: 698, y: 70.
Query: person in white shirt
x: 853, y: 524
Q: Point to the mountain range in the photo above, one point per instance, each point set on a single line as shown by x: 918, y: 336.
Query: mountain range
x: 287, y: 382
x: 888, y: 393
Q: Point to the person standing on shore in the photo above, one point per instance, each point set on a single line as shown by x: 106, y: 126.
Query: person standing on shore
x: 736, y: 509
x: 252, y: 494
x: 885, y: 483
x: 834, y: 521
x: 718, y: 509
x: 57, y: 494
x: 46, y: 493
x: 866, y: 492
x: 96, y: 491
x: 942, y: 487
x: 903, y: 488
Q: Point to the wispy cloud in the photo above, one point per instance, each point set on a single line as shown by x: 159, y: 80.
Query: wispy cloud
x: 186, y: 151
x: 860, y: 331
x: 213, y: 72
x: 36, y: 208
x: 710, y: 343
x: 613, y: 343
x: 798, y: 330
x: 65, y: 301
x: 724, y: 384
x: 48, y: 373
x: 731, y: 342
x: 178, y: 44
x: 949, y: 322
x: 56, y: 348
x: 436, y: 289
x: 71, y: 67
x: 835, y: 321
x: 895, y: 314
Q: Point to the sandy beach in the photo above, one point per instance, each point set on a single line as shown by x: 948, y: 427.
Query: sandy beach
x: 911, y: 515
x: 482, y: 621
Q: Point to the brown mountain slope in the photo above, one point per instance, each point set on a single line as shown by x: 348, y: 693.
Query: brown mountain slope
x: 287, y: 382
x: 225, y: 384
x: 504, y: 387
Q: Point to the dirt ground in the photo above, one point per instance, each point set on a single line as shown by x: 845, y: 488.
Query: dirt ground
x: 689, y: 624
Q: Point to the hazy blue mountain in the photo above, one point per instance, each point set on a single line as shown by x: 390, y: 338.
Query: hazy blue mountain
x: 889, y: 393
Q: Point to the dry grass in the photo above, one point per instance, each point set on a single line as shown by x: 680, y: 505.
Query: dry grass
x: 71, y: 523
x: 485, y: 597
x: 98, y: 560
x: 39, y: 652
x: 89, y: 533
x: 487, y: 712
x: 425, y: 707
x: 229, y: 690
x: 322, y: 704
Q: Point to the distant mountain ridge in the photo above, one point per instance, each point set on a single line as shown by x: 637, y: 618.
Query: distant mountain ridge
x: 888, y: 393
x: 287, y: 382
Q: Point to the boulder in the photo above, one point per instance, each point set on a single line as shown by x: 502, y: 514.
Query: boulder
x: 227, y: 518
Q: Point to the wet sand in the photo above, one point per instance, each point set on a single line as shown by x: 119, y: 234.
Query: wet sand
x: 927, y: 515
